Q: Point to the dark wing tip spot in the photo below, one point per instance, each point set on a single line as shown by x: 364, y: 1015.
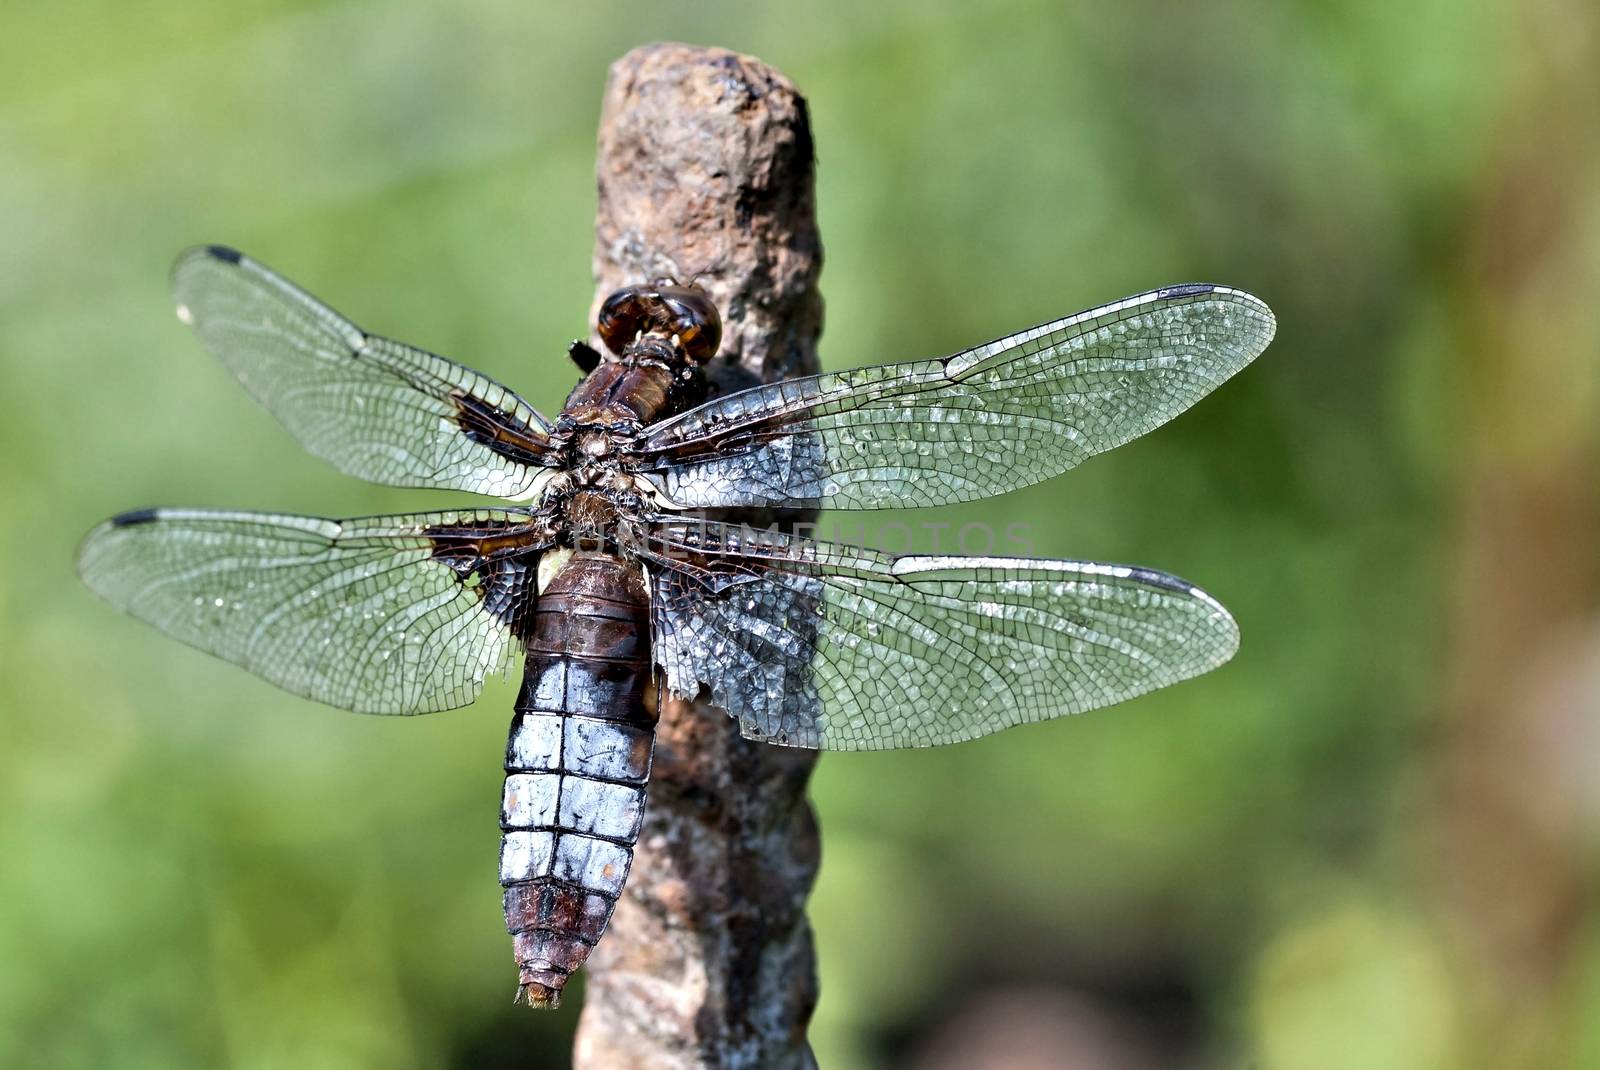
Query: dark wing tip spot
x: 223, y: 252
x: 1188, y: 289
x: 135, y: 516
x: 1154, y: 578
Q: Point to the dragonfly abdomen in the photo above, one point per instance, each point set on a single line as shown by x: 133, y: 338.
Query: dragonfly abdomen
x: 576, y: 765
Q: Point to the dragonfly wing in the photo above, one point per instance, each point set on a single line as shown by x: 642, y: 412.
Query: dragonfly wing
x: 839, y: 648
x: 375, y: 408
x: 397, y: 615
x: 989, y: 420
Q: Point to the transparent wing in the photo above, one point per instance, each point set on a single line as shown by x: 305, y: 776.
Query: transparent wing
x: 989, y: 420
x: 400, y: 614
x: 838, y: 648
x: 377, y: 409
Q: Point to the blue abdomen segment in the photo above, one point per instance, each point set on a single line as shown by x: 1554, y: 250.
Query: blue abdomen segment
x: 576, y: 765
x: 573, y: 803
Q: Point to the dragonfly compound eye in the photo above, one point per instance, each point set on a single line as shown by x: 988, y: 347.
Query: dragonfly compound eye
x: 684, y: 311
x: 692, y: 316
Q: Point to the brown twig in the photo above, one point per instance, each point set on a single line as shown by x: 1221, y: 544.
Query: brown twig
x: 705, y: 172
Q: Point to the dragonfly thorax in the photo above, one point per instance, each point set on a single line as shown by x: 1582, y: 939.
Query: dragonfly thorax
x: 595, y: 510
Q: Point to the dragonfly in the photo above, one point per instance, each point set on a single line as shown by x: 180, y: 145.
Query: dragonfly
x: 602, y: 565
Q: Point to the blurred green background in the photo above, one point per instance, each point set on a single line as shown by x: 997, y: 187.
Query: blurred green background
x: 1370, y: 841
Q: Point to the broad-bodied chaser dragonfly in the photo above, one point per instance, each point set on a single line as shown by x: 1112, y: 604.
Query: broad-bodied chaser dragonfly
x: 610, y: 587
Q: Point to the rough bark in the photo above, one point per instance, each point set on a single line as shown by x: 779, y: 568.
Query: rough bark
x: 705, y: 173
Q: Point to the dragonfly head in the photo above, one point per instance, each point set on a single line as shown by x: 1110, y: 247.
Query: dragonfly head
x: 684, y: 315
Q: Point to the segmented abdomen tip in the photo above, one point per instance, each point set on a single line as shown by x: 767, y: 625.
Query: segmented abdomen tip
x: 535, y: 994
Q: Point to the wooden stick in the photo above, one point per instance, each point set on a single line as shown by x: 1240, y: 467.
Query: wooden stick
x: 705, y: 171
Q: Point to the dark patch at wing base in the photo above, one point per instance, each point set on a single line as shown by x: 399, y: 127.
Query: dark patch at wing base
x: 498, y: 431
x: 496, y: 559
